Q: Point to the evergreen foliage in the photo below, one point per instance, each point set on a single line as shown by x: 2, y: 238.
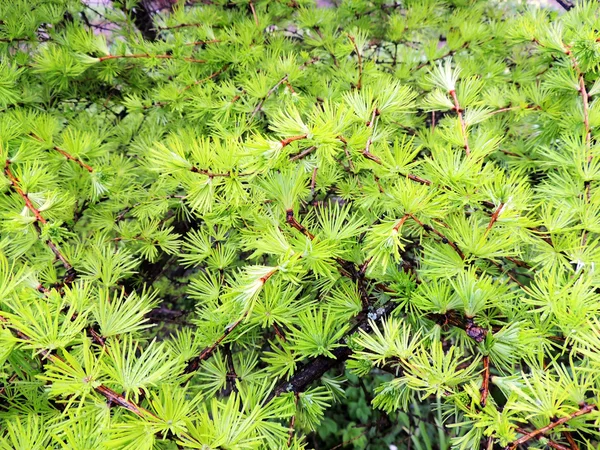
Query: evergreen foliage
x: 262, y: 225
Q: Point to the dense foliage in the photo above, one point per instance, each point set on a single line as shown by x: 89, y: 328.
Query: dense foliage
x: 258, y: 224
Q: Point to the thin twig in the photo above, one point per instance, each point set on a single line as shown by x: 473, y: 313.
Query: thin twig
x: 463, y: 124
x: 360, y: 62
x: 293, y: 420
x: 291, y: 220
x: 194, y: 363
x: 65, y: 154
x: 485, y: 385
x: 585, y: 409
x: 445, y: 240
x: 570, y: 440
x: 254, y: 14
x: 494, y: 218
x: 303, y: 153
x: 147, y: 55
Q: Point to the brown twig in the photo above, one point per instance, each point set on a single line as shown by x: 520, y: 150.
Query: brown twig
x: 316, y: 367
x: 254, y: 13
x: 570, y: 440
x: 371, y: 124
x: 65, y: 154
x: 269, y: 93
x: 585, y: 409
x: 360, y: 62
x: 494, y: 217
x: 147, y: 55
x: 303, y: 153
x: 291, y: 220
x: 105, y: 391
x: 283, y: 80
x: 463, y: 124
x: 279, y: 332
x: 445, y: 240
x: 549, y: 442
x: 485, y: 385
x: 287, y: 141
x: 194, y: 363
x: 203, y: 80
x: 293, y: 420
x: 14, y: 182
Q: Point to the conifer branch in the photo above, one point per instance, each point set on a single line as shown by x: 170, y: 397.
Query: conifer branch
x: 105, y: 391
x: 65, y: 154
x: 572, y: 444
x: 441, y: 57
x: 251, y: 4
x: 584, y: 409
x: 14, y: 182
x: 303, y: 153
x: 360, y: 62
x: 149, y: 56
x: 287, y: 141
x: 291, y: 220
x: 316, y: 367
x: 194, y: 363
x: 494, y: 217
x: 549, y: 442
x: 371, y: 124
x: 204, y: 80
x: 485, y: 385
x: 463, y: 124
x: 293, y: 421
x: 283, y: 80
x: 269, y: 93
x: 445, y: 240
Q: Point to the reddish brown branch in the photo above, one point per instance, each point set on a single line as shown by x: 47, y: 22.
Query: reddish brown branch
x: 204, y: 80
x: 549, y: 442
x: 585, y: 409
x: 105, y: 391
x: 485, y: 385
x: 147, y: 55
x: 401, y: 222
x: 14, y: 182
x: 360, y: 62
x: 573, y: 445
x: 494, y: 217
x: 254, y: 13
x: 278, y: 332
x: 463, y: 124
x: 445, y: 240
x: 194, y: 363
x: 303, y: 153
x: 287, y: 141
x: 65, y: 154
x: 291, y: 220
x: 293, y: 421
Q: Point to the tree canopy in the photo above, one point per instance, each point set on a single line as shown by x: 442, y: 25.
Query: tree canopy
x: 258, y: 224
